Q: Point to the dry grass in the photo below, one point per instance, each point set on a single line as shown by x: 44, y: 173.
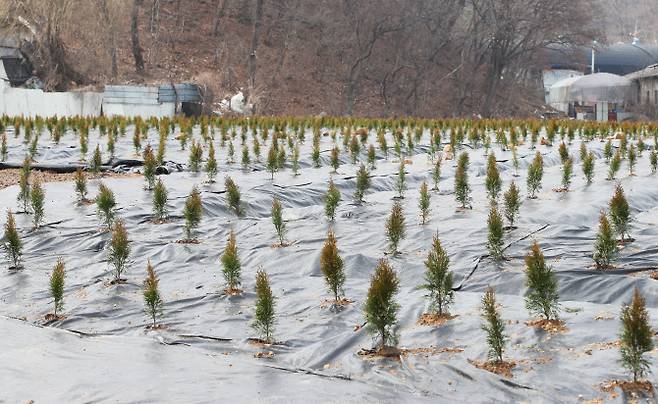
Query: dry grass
x: 551, y: 326
x: 434, y: 320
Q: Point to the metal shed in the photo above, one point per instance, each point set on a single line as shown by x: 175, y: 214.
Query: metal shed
x: 147, y: 101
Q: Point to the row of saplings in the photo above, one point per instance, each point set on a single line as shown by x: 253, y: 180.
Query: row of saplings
x: 380, y: 308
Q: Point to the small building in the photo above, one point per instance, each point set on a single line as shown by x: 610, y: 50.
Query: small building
x: 646, y: 84
x: 152, y: 101
x: 600, y: 96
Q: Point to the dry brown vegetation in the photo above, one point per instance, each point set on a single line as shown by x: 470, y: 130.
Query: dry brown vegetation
x: 384, y: 58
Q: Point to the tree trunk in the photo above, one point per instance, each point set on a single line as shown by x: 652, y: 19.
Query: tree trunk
x: 252, y: 54
x: 134, y: 36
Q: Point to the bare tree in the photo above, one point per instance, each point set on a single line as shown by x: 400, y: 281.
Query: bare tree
x: 134, y: 36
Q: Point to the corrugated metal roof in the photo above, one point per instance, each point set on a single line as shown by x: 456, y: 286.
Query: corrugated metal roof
x: 151, y: 95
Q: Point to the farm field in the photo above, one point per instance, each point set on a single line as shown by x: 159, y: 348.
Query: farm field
x: 199, y: 344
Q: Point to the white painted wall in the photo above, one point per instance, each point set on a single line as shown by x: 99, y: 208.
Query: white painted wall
x: 33, y: 102
x: 143, y: 110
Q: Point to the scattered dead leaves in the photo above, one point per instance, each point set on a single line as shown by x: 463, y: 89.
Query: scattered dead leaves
x: 51, y: 317
x: 654, y: 275
x: 264, y: 354
x: 342, y: 302
x: 503, y: 368
x: 634, y: 389
x: 434, y: 320
x: 551, y: 326
x: 156, y: 327
x: 601, y: 346
x: 188, y: 241
x: 604, y: 315
x: 429, y: 351
x: 233, y: 291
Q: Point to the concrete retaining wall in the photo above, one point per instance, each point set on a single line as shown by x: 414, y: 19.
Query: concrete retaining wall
x: 28, y: 102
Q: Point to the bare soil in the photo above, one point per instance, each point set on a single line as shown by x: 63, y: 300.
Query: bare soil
x: 551, y: 326
x: 503, y: 368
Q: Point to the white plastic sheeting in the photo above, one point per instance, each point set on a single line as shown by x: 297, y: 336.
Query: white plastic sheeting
x: 593, y: 88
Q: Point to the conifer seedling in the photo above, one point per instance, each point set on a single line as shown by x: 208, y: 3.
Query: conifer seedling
x: 24, y: 184
x: 96, y: 161
x: 607, y: 151
x: 331, y: 265
x: 272, y: 160
x: 295, y: 160
x: 119, y: 250
x: 395, y: 228
x: 231, y: 266
x: 424, y: 202
x: 192, y: 212
x: 653, y: 161
x: 615, y: 164
x: 160, y: 201
x: 150, y: 165
x: 81, y: 185
x: 605, y: 247
x: 362, y: 183
x: 277, y: 220
x: 233, y: 195
x: 495, y: 234
x: 105, y: 205
x: 535, y: 174
x: 335, y: 161
x: 564, y: 153
x: 636, y: 337
x: 57, y: 286
x: 620, y: 212
x: 380, y: 309
x: 401, y: 182
x: 436, y: 172
x: 567, y: 170
x: 3, y: 148
x: 12, y: 243
x: 632, y: 159
x: 542, y: 298
x: 37, y: 197
x: 493, y: 326
x: 211, y: 163
x: 265, y: 306
x: 462, y: 189
x: 372, y: 156
x: 153, y: 303
x: 331, y: 201
x: 493, y: 182
x: 588, y: 167
x: 512, y: 203
x: 438, y: 278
